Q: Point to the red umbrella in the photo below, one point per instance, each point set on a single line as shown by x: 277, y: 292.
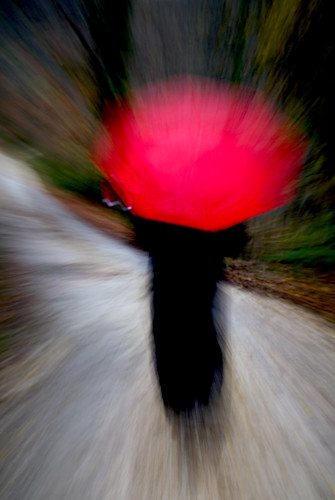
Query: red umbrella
x: 198, y: 153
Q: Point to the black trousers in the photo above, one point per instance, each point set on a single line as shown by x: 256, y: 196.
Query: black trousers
x: 187, y: 264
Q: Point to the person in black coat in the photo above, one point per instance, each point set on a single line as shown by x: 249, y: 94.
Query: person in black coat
x: 187, y: 264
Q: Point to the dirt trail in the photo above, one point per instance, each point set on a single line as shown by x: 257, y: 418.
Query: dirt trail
x: 80, y: 414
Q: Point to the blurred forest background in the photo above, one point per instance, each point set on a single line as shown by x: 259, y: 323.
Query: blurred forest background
x: 61, y: 59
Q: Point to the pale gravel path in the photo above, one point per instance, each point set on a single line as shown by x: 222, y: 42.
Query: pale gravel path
x: 81, y: 418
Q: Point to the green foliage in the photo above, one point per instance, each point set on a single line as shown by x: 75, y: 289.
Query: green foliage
x: 238, y: 45
x: 279, y: 22
x: 310, y: 257
x: 306, y: 241
x: 296, y: 54
x: 60, y: 61
x: 83, y: 180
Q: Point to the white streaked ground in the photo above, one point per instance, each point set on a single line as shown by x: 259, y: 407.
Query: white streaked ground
x: 81, y: 417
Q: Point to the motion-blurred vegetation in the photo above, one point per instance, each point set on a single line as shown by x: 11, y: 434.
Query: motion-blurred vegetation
x: 60, y: 60
x: 296, y: 55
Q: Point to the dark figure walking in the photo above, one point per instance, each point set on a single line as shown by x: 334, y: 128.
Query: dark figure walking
x: 187, y: 264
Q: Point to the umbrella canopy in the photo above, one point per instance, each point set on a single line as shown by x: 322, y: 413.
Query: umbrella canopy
x: 200, y: 154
